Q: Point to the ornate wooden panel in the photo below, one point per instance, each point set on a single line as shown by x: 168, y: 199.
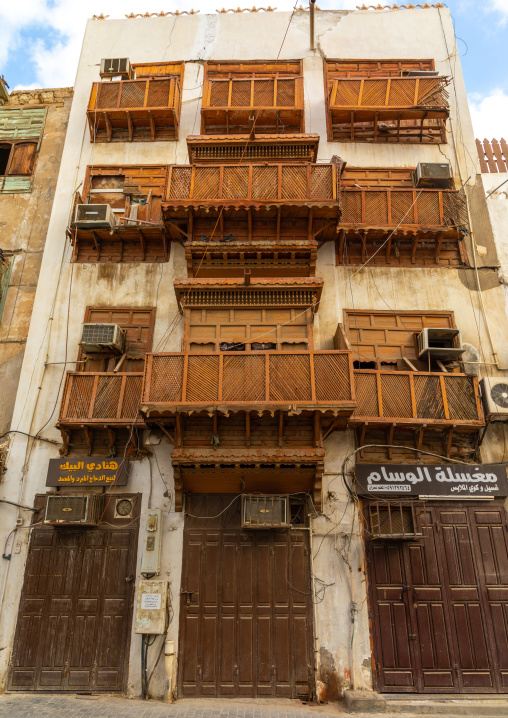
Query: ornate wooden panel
x: 439, y: 603
x: 101, y: 398
x: 73, y: 626
x: 373, y: 68
x: 246, y: 608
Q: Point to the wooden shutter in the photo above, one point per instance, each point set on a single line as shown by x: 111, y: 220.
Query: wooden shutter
x: 22, y: 160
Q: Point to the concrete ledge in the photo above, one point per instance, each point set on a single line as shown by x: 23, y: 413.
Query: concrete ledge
x: 364, y: 702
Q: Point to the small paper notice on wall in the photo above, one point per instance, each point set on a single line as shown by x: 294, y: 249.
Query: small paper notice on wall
x: 151, y: 601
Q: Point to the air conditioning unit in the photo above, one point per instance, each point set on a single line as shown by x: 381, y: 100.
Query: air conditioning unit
x: 495, y: 397
x: 113, y: 67
x: 439, y: 343
x: 94, y: 216
x: 265, y: 512
x: 434, y: 175
x: 392, y: 520
x: 102, y: 339
x: 73, y: 509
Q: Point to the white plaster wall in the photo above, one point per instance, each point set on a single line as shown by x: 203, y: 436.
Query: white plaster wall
x: 387, y: 34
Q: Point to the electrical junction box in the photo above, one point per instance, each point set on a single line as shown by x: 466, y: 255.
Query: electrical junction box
x: 151, y: 601
x: 152, y: 546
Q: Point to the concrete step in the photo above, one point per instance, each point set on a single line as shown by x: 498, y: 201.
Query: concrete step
x: 475, y: 706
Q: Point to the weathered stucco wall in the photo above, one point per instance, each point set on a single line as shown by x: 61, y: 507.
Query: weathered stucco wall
x: 24, y: 220
x: 344, y: 658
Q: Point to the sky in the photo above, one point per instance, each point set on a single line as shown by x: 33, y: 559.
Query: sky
x: 41, y: 42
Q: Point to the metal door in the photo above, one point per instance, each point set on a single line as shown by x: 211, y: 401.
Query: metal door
x: 439, y: 604
x: 246, y: 611
x: 73, y: 627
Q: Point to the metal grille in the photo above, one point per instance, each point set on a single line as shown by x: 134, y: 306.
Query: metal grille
x: 107, y: 397
x: 392, y: 520
x: 107, y: 95
x: 206, y: 183
x: 294, y: 183
x: 158, y: 93
x: 262, y: 512
x: 427, y: 206
x: 133, y: 94
x: 219, y: 92
x: 263, y: 93
x: 235, y: 182
x: 68, y: 508
x: 461, y: 398
x: 286, y: 96
x: 131, y: 397
x: 376, y: 208
x: 429, y: 401
x: 81, y: 388
x: 374, y: 93
x: 351, y: 206
x: 166, y: 379
x: 98, y: 333
x: 240, y: 93
x: 264, y: 182
x: 290, y: 377
x: 243, y: 378
x: 401, y: 209
x: 202, y: 378
x: 396, y: 395
x: 321, y: 182
x: 366, y: 395
x: 331, y: 372
x: 180, y: 183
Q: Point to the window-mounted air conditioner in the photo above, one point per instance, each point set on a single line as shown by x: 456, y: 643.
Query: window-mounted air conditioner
x: 113, y: 67
x: 495, y: 397
x: 265, y: 512
x: 73, y: 509
x: 439, y: 343
x: 392, y: 520
x: 94, y: 216
x: 433, y: 175
x: 102, y: 339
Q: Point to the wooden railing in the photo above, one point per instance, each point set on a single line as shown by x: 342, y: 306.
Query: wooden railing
x: 254, y: 93
x: 135, y: 109
x: 252, y: 182
x: 493, y: 155
x: 390, y: 92
x: 101, y: 398
x: 413, y: 207
x: 416, y: 398
x: 312, y: 380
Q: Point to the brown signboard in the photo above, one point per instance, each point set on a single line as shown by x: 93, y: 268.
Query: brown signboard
x: 88, y: 471
x: 449, y: 480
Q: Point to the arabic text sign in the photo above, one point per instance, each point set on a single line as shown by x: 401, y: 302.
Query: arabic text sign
x: 88, y: 471
x: 442, y: 480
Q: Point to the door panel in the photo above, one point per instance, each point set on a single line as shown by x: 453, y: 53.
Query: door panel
x: 246, y: 613
x: 73, y: 625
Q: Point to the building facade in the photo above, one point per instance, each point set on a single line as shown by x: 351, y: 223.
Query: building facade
x: 269, y: 292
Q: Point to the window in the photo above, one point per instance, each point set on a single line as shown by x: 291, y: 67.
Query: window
x: 5, y: 273
x: 387, y: 339
x: 138, y: 324
x: 17, y: 158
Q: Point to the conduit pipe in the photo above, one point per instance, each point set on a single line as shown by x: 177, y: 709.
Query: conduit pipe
x: 169, y: 670
x: 312, y: 8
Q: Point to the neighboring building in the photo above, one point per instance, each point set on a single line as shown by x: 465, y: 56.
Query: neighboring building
x: 33, y: 124
x: 290, y: 296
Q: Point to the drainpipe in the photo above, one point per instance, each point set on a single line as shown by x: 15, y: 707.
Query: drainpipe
x: 312, y: 8
x: 169, y: 670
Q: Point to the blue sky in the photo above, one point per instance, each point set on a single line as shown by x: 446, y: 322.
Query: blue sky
x: 41, y: 40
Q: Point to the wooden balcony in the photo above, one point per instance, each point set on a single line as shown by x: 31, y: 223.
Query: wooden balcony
x: 270, y: 105
x: 402, y: 109
x: 135, y: 110
x: 100, y: 398
x: 251, y: 185
x: 236, y: 381
x: 417, y: 399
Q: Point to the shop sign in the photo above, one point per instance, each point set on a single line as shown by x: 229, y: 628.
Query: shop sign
x: 92, y: 471
x: 444, y: 480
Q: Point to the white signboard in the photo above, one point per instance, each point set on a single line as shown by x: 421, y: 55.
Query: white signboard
x: 151, y: 601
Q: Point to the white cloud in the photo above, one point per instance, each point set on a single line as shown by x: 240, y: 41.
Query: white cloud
x: 55, y: 59
x: 490, y: 115
x: 499, y: 6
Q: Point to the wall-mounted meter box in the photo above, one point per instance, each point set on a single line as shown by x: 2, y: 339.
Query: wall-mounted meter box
x: 151, y: 602
x: 151, y: 558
